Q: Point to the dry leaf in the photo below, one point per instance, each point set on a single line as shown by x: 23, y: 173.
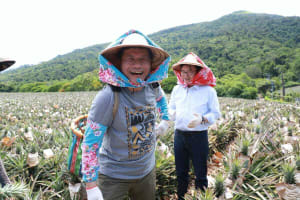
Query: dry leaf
x: 7, y: 141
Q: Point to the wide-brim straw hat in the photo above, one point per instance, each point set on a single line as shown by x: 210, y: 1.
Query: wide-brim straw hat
x: 5, y: 63
x: 111, y: 53
x: 190, y: 59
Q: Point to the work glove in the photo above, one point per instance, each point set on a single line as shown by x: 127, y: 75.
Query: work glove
x: 172, y: 114
x: 197, y: 120
x: 162, y: 128
x: 94, y: 193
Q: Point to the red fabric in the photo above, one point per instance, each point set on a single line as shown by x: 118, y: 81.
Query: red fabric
x: 75, y: 152
x: 89, y: 188
x: 204, y: 77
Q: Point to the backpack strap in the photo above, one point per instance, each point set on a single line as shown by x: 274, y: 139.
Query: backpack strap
x: 116, y: 104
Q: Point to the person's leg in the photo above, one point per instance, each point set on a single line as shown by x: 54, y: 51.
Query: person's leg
x: 144, y: 188
x: 199, y: 154
x: 3, y: 175
x: 113, y: 189
x: 182, y: 164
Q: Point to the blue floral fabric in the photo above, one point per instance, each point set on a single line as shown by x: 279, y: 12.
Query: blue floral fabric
x: 108, y: 73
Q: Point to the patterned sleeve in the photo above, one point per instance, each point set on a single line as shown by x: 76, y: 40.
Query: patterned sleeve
x: 99, y: 119
x: 161, y: 104
x: 92, y: 141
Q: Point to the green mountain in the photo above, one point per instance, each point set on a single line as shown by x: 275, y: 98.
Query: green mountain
x: 239, y: 41
x: 62, y: 67
x: 260, y: 45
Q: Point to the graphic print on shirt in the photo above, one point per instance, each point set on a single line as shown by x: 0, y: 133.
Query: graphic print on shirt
x: 140, y: 125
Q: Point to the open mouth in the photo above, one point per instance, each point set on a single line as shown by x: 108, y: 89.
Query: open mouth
x: 187, y: 80
x: 137, y: 73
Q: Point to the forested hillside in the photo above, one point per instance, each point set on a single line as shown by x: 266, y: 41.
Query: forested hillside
x: 257, y: 45
x: 62, y: 67
x: 240, y: 42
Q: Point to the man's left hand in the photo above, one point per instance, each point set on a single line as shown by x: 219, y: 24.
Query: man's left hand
x: 198, y: 119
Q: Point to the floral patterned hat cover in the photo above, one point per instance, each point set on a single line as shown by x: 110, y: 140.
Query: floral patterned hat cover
x: 110, y: 73
x: 204, y: 77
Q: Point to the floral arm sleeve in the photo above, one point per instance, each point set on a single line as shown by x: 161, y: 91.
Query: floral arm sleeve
x: 92, y: 141
x: 161, y: 104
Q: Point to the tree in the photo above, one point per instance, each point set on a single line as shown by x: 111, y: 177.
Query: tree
x: 253, y: 71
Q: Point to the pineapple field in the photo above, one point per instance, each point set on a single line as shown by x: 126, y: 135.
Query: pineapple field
x: 254, y: 149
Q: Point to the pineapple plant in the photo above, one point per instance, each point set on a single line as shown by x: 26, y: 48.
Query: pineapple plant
x: 289, y: 173
x: 298, y: 162
x: 245, y: 146
x: 14, y: 191
x: 235, y: 169
x: 208, y: 194
x: 46, y: 117
x: 219, y: 185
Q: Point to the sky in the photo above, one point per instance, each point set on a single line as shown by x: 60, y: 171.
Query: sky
x: 34, y: 31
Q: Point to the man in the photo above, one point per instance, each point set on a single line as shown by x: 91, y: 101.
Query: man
x: 194, y: 106
x: 132, y: 66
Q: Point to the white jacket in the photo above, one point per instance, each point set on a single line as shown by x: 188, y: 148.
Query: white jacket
x: 186, y: 101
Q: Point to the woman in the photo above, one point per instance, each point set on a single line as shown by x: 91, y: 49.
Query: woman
x: 132, y: 66
x: 195, y: 107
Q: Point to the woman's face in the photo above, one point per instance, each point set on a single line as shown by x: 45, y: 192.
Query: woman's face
x: 187, y: 73
x: 136, y: 63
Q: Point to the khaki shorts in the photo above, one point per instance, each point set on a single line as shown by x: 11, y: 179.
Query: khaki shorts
x: 136, y: 189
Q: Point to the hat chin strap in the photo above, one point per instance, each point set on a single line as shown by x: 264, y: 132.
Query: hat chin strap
x: 135, y: 89
x: 188, y: 85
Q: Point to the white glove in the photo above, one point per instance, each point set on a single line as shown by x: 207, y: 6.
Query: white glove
x: 172, y: 114
x: 94, y: 193
x: 196, y: 121
x: 162, y: 127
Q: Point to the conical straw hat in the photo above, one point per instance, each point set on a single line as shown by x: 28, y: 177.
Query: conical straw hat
x: 111, y: 53
x: 190, y: 59
x: 5, y: 63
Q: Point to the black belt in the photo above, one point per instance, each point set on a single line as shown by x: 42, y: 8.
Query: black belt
x: 190, y: 132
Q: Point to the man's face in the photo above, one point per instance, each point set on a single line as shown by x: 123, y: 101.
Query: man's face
x: 187, y: 73
x: 136, y: 63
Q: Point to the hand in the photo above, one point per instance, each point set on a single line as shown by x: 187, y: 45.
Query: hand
x: 162, y: 127
x: 172, y: 114
x: 204, y: 120
x: 198, y: 119
x: 94, y: 193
